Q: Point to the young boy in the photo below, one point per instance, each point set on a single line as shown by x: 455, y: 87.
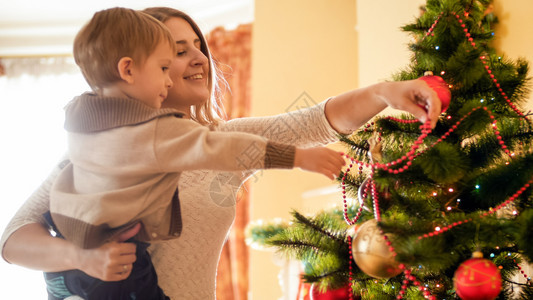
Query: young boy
x: 127, y: 153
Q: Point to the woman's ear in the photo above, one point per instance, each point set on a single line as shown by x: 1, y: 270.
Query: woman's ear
x: 125, y: 69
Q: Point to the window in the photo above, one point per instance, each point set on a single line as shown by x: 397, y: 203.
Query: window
x: 33, y: 93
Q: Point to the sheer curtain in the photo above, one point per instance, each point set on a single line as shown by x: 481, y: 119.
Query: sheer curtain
x: 232, y: 50
x: 33, y: 92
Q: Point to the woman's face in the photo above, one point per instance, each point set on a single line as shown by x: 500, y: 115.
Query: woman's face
x: 190, y: 69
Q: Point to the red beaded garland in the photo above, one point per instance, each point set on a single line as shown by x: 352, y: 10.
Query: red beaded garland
x: 528, y: 279
x: 489, y: 71
x: 351, y: 268
x: 410, y: 278
x: 492, y: 211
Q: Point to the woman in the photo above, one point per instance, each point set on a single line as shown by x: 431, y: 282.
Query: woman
x: 187, y: 266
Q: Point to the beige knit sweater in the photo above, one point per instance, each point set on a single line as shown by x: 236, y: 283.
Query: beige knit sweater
x: 126, y: 159
x: 186, y: 266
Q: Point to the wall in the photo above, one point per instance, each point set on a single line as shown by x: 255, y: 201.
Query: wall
x: 513, y: 33
x: 303, y: 51
x: 322, y: 48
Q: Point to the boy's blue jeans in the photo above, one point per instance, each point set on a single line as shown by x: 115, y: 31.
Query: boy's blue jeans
x: 140, y: 285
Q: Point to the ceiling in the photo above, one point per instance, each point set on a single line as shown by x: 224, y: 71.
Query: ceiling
x: 48, y: 27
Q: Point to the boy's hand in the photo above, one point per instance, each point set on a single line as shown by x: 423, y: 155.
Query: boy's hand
x: 320, y: 160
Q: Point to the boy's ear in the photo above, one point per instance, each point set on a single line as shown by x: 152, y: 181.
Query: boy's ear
x: 125, y: 69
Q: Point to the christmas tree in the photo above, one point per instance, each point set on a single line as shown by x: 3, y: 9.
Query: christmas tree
x: 421, y: 205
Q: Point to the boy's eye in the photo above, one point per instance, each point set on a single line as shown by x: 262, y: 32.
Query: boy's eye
x: 165, y: 69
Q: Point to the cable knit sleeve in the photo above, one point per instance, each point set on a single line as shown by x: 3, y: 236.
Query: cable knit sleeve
x: 306, y: 127
x: 34, y: 207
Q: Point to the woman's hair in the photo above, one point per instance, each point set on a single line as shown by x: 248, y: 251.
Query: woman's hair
x: 211, y: 111
x: 112, y: 34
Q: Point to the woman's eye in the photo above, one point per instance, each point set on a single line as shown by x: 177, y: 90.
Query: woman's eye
x: 165, y: 69
x: 180, y: 53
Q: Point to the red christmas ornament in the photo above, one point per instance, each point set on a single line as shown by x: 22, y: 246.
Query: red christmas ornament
x: 342, y: 293
x: 477, y: 279
x: 440, y: 87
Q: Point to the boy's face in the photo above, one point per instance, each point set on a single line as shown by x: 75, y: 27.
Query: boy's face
x: 152, y: 79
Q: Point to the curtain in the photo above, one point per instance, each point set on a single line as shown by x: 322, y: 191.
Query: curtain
x: 2, y: 69
x: 231, y: 50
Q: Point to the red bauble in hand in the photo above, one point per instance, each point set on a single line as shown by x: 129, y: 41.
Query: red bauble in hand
x: 440, y: 87
x: 477, y: 279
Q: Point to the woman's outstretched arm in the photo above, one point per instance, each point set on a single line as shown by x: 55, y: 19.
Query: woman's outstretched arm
x: 349, y: 111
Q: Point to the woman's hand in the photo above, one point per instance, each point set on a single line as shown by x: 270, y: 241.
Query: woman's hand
x: 349, y: 111
x: 112, y: 261
x: 412, y: 96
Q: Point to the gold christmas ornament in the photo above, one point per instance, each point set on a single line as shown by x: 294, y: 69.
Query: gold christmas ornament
x: 371, y: 253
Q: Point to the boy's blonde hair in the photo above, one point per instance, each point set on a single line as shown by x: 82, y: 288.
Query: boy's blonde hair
x: 112, y: 34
